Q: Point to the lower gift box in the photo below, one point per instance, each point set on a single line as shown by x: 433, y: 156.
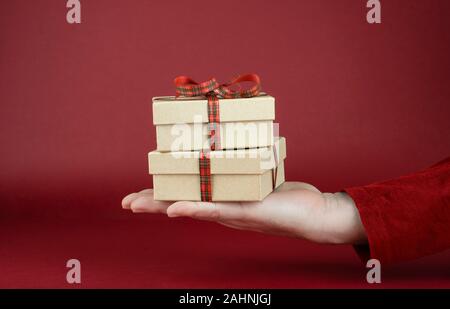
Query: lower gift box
x: 225, y: 175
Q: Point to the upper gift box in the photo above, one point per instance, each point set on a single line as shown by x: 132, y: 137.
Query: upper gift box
x: 184, y: 123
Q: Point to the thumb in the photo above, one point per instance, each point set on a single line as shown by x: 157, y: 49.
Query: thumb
x: 207, y: 210
x: 196, y: 210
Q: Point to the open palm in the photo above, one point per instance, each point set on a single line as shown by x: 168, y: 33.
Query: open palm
x: 295, y: 209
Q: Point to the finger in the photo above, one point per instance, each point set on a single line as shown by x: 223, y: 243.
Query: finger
x: 146, y: 191
x: 254, y: 228
x: 126, y: 202
x: 197, y: 210
x: 239, y: 225
x: 211, y: 211
x: 146, y: 203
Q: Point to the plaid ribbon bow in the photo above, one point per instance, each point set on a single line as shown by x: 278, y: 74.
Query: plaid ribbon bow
x: 212, y: 90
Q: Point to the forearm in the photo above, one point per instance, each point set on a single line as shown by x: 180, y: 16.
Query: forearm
x: 407, y: 217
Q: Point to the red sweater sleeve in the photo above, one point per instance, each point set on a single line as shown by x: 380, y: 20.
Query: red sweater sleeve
x: 406, y: 218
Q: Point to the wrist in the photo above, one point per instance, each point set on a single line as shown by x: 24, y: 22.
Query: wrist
x: 342, y: 220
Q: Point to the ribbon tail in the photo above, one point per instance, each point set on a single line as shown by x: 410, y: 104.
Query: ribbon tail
x: 275, y: 168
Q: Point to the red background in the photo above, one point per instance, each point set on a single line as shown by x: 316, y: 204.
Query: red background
x: 357, y: 103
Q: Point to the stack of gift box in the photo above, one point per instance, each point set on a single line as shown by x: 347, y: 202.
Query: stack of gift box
x: 215, y: 143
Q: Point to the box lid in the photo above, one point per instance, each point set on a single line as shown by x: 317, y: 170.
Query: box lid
x: 170, y: 110
x: 243, y: 161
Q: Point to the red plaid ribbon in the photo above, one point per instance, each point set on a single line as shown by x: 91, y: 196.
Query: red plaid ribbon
x: 212, y: 90
x: 275, y: 169
x: 213, y: 122
x: 205, y: 176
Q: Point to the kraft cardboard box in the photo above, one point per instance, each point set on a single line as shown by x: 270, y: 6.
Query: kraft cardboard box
x: 236, y: 175
x: 182, y: 123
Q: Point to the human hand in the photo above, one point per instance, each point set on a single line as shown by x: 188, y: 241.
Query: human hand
x: 295, y: 209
